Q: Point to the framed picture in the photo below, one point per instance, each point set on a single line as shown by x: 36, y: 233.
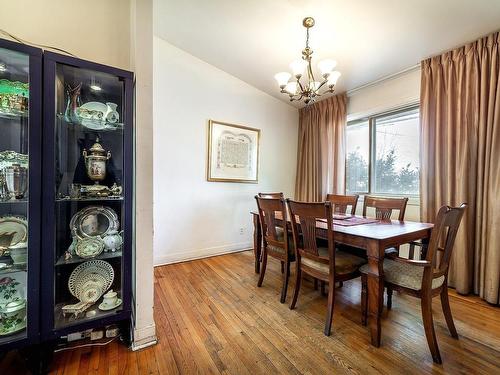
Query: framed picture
x: 233, y: 153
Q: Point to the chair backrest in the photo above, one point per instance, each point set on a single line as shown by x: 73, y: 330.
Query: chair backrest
x: 385, y: 206
x: 304, y: 217
x: 340, y: 203
x: 442, y: 240
x: 271, y: 195
x: 268, y: 208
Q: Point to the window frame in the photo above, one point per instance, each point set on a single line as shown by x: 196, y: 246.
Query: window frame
x: 372, y: 151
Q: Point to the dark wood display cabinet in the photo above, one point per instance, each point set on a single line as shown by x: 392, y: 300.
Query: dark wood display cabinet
x: 87, y: 195
x: 66, y: 181
x: 20, y: 176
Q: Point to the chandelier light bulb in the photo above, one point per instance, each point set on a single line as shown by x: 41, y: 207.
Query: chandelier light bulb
x: 326, y: 67
x: 291, y: 88
x: 298, y: 67
x: 333, y: 78
x: 282, y: 78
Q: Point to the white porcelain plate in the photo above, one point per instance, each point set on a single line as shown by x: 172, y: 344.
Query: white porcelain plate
x: 98, y: 271
x: 89, y: 247
x: 16, y: 225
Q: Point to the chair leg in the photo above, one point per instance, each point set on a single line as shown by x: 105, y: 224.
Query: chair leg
x: 284, y: 288
x: 341, y: 284
x: 364, y: 299
x: 329, y: 310
x: 445, y: 304
x: 298, y: 281
x: 315, y: 284
x: 389, y: 298
x: 282, y: 267
x: 263, y: 268
x: 322, y: 285
x: 430, y: 334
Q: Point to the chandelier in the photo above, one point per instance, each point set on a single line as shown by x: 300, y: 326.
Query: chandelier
x: 310, y: 89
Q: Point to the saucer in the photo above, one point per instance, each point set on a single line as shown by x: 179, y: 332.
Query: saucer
x: 104, y: 307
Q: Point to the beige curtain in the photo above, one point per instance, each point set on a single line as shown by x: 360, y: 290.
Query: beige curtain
x: 460, y: 157
x: 321, y: 149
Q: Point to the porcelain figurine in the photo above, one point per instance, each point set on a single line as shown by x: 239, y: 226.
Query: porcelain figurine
x: 73, y: 102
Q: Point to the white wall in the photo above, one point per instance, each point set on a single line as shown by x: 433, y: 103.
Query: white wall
x: 386, y: 95
x: 141, y: 60
x: 93, y: 29
x: 193, y: 217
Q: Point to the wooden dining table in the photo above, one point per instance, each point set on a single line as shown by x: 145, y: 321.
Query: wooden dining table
x: 374, y: 238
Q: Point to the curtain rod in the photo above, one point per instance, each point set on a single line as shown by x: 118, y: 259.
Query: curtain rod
x: 383, y: 79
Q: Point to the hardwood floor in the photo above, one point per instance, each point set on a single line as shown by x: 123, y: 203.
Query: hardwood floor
x: 211, y: 318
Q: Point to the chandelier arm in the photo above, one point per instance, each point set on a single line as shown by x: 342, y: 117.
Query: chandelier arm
x: 300, y: 85
x: 321, y: 85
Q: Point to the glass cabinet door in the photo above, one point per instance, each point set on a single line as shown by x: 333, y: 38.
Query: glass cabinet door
x: 19, y: 191
x: 88, y: 185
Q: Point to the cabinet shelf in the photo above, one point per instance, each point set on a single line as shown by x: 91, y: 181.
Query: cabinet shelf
x: 76, y: 259
x: 92, y: 125
x: 14, y: 201
x: 13, y: 268
x: 16, y: 115
x: 60, y: 321
x: 100, y: 199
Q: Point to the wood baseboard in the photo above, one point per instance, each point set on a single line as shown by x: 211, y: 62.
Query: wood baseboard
x: 187, y: 255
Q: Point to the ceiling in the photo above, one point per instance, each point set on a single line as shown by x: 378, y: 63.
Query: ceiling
x: 369, y: 39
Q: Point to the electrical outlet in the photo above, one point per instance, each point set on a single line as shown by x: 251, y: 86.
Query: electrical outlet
x: 242, y: 231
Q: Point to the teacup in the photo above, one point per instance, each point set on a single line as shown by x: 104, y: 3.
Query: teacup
x: 110, y: 298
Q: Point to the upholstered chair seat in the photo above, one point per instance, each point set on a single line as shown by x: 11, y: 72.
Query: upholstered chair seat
x: 404, y: 274
x: 344, y: 262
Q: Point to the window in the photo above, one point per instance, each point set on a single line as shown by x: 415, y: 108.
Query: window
x: 383, y: 154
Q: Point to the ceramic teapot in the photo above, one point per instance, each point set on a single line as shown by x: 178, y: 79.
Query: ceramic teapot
x: 113, y: 240
x: 111, y: 114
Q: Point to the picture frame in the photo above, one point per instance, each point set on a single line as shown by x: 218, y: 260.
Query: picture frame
x: 232, y: 153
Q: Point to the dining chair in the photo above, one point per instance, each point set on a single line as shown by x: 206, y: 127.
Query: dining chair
x: 276, y: 241
x: 383, y: 211
x: 323, y: 263
x: 271, y: 195
x: 340, y: 203
x: 426, y: 278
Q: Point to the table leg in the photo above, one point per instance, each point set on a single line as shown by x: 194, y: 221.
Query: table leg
x: 257, y: 242
x: 375, y: 290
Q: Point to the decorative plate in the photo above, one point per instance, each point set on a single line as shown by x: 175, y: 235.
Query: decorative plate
x: 11, y: 325
x: 16, y: 225
x: 86, y: 279
x: 93, y: 115
x: 89, y: 247
x: 94, y: 221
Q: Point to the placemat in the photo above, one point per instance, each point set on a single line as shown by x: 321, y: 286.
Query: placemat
x: 353, y: 220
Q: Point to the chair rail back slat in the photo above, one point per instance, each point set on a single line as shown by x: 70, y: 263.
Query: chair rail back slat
x: 340, y: 203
